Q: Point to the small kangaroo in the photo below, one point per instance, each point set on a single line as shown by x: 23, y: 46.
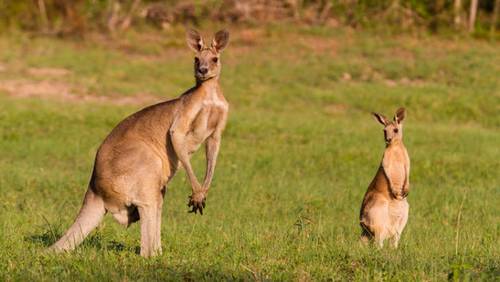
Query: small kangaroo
x: 384, y: 211
x: 140, y: 156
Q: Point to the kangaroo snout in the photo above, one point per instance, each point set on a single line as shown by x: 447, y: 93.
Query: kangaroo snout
x: 203, y: 70
x: 387, y: 137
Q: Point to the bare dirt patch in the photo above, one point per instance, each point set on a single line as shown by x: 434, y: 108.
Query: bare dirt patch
x: 48, y: 72
x: 56, y: 90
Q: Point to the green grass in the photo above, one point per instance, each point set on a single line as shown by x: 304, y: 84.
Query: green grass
x: 298, y: 153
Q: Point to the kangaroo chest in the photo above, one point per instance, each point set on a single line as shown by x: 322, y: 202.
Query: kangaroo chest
x: 206, y: 121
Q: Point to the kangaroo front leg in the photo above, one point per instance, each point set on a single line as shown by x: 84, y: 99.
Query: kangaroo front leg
x: 396, y: 193
x: 406, y: 185
x: 181, y: 147
x: 212, y: 151
x: 392, y: 173
x: 198, y: 198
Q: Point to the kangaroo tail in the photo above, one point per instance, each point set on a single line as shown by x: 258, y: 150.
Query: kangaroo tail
x: 88, y: 218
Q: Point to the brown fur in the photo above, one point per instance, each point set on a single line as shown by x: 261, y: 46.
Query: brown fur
x: 142, y: 153
x: 384, y: 211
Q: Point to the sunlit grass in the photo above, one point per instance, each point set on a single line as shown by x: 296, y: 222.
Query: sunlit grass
x: 297, y: 155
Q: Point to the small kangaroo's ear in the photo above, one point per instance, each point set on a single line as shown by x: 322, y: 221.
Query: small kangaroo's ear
x: 221, y: 39
x: 380, y: 118
x: 194, y: 40
x: 400, y: 115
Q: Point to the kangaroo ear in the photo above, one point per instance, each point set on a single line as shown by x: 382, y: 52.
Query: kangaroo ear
x: 194, y: 40
x: 400, y: 115
x: 221, y: 39
x: 380, y: 118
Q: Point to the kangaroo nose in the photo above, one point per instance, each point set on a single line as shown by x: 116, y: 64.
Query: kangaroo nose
x: 203, y: 70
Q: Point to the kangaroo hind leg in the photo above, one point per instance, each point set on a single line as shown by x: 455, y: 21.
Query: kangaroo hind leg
x: 380, y: 235
x: 400, y: 225
x: 150, y: 216
x: 366, y: 234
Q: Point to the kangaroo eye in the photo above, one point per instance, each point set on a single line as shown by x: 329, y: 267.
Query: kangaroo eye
x: 196, y: 60
x: 215, y: 60
x: 396, y: 130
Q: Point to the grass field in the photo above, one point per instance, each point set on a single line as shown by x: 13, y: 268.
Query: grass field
x: 297, y: 156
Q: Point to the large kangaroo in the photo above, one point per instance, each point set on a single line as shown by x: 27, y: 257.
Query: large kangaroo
x: 141, y: 154
x: 384, y: 211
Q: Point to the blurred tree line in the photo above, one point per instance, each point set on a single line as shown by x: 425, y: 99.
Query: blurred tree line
x: 76, y: 17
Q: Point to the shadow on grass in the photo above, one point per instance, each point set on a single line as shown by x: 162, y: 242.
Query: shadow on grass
x: 94, y: 240
x: 209, y: 275
x: 151, y: 269
x: 44, y: 239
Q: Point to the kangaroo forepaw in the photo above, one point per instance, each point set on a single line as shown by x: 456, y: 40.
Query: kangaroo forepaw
x: 197, y: 202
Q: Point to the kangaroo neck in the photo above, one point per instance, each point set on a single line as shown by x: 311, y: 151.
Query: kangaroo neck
x: 395, y: 143
x: 208, y: 88
x: 213, y: 80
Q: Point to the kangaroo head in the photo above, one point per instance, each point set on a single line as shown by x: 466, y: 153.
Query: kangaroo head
x: 206, y: 61
x: 393, y: 130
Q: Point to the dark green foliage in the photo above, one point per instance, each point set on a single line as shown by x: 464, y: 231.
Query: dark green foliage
x: 78, y: 17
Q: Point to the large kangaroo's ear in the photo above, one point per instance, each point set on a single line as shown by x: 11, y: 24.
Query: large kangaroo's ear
x: 400, y: 115
x: 380, y: 118
x: 221, y: 39
x: 194, y: 40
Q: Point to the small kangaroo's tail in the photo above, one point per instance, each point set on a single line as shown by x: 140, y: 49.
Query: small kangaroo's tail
x: 88, y: 218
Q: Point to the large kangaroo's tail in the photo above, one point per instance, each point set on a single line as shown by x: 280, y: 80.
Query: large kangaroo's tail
x: 88, y: 218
